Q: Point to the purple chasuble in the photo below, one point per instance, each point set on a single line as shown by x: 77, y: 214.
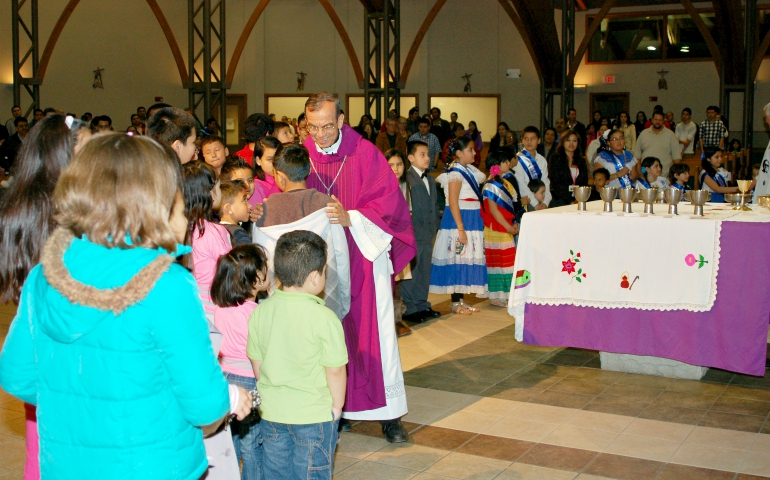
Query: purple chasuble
x: 365, y: 184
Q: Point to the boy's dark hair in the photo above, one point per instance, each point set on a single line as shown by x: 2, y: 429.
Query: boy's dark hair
x: 233, y: 164
x: 294, y: 161
x: 509, y: 152
x: 231, y: 189
x: 210, y: 120
x: 530, y: 129
x: 677, y: 169
x: 236, y: 274
x: 259, y: 149
x: 170, y: 124
x: 297, y: 255
x: 713, y: 107
x: 257, y: 125
x: 49, y: 110
x: 211, y: 139
x: 19, y: 119
x: 459, y: 125
x: 535, y: 184
x: 411, y: 147
x: 423, y: 120
x: 687, y: 109
x: 602, y: 171
x: 301, y: 117
x: 278, y: 125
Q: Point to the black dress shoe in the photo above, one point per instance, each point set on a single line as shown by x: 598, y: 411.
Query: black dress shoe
x: 394, y: 432
x: 345, y: 425
x: 416, y: 317
x: 430, y: 313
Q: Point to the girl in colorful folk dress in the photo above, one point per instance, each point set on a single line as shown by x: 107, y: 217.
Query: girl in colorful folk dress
x: 651, y: 175
x: 459, y: 265
x: 616, y: 159
x: 499, y: 229
x: 712, y: 177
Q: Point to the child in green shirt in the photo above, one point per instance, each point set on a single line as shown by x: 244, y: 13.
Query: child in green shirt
x: 297, y: 349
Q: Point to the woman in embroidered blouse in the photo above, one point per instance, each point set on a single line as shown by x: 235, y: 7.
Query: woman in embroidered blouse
x: 567, y: 170
x: 617, y: 160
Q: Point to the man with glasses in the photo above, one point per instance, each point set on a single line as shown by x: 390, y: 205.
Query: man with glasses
x: 660, y: 142
x: 369, y: 202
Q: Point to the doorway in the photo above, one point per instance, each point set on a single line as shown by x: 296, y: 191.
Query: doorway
x: 610, y: 104
x: 236, y: 117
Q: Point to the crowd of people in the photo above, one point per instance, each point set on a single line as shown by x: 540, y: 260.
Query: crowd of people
x: 130, y: 255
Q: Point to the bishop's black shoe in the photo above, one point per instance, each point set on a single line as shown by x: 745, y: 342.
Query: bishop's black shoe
x: 345, y: 425
x: 394, y: 432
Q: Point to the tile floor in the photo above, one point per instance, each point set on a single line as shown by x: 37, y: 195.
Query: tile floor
x: 482, y: 406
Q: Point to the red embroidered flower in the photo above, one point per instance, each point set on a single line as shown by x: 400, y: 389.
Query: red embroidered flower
x: 578, y: 255
x: 569, y: 266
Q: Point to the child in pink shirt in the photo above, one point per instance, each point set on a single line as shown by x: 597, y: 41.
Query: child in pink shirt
x: 208, y: 240
x: 240, y: 275
x: 265, y: 149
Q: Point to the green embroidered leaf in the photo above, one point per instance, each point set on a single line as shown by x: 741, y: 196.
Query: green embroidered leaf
x: 579, y: 279
x: 571, y: 252
x: 577, y: 260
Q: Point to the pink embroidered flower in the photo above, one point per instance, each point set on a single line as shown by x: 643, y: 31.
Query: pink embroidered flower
x: 568, y: 266
x: 690, y: 260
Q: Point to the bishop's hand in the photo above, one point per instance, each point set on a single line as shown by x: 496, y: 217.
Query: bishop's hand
x: 337, y: 213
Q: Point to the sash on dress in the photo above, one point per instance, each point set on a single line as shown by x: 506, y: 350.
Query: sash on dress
x: 717, y: 177
x: 530, y: 165
x: 620, y: 163
x: 644, y: 182
x: 459, y: 168
x: 499, y: 195
x: 683, y: 188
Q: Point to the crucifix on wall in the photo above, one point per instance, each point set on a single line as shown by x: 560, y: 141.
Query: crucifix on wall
x: 98, y: 78
x: 301, y: 81
x: 662, y: 83
x: 467, y: 78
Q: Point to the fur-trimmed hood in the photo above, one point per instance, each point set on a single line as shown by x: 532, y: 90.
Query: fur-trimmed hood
x: 90, y: 283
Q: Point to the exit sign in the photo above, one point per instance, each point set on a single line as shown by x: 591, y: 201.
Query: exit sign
x: 609, y: 79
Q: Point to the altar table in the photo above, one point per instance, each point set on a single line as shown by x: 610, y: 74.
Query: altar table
x: 731, y: 335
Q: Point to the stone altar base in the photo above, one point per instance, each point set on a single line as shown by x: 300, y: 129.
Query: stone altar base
x: 662, y: 367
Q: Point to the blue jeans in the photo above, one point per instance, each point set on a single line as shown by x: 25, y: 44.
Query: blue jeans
x: 299, y: 451
x: 246, y: 436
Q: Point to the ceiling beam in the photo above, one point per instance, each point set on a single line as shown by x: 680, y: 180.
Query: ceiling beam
x: 537, y: 17
x: 728, y: 19
x: 245, y: 33
x: 522, y: 32
x: 704, y: 31
x: 759, y: 55
x: 418, y: 39
x: 586, y: 42
x: 54, y: 37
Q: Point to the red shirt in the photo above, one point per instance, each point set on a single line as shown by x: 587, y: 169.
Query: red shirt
x: 246, y: 153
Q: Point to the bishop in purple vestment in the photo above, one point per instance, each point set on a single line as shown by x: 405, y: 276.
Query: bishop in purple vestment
x: 381, y: 241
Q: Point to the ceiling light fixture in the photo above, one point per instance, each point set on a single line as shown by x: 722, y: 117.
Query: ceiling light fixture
x: 651, y: 48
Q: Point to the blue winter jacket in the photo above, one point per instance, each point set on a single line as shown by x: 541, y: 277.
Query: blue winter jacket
x: 117, y: 395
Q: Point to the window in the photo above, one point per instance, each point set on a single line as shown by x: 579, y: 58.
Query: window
x: 482, y: 109
x: 684, y: 40
x: 619, y: 39
x: 650, y: 38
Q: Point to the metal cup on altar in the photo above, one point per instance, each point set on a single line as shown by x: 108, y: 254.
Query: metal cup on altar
x: 661, y: 196
x: 699, y: 198
x: 608, y: 195
x: 649, y: 196
x: 673, y: 196
x: 627, y: 195
x: 744, y: 186
x: 581, y: 195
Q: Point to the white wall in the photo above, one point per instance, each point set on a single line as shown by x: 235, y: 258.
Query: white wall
x: 292, y: 35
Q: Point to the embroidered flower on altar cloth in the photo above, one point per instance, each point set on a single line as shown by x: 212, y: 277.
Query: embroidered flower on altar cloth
x: 569, y: 266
